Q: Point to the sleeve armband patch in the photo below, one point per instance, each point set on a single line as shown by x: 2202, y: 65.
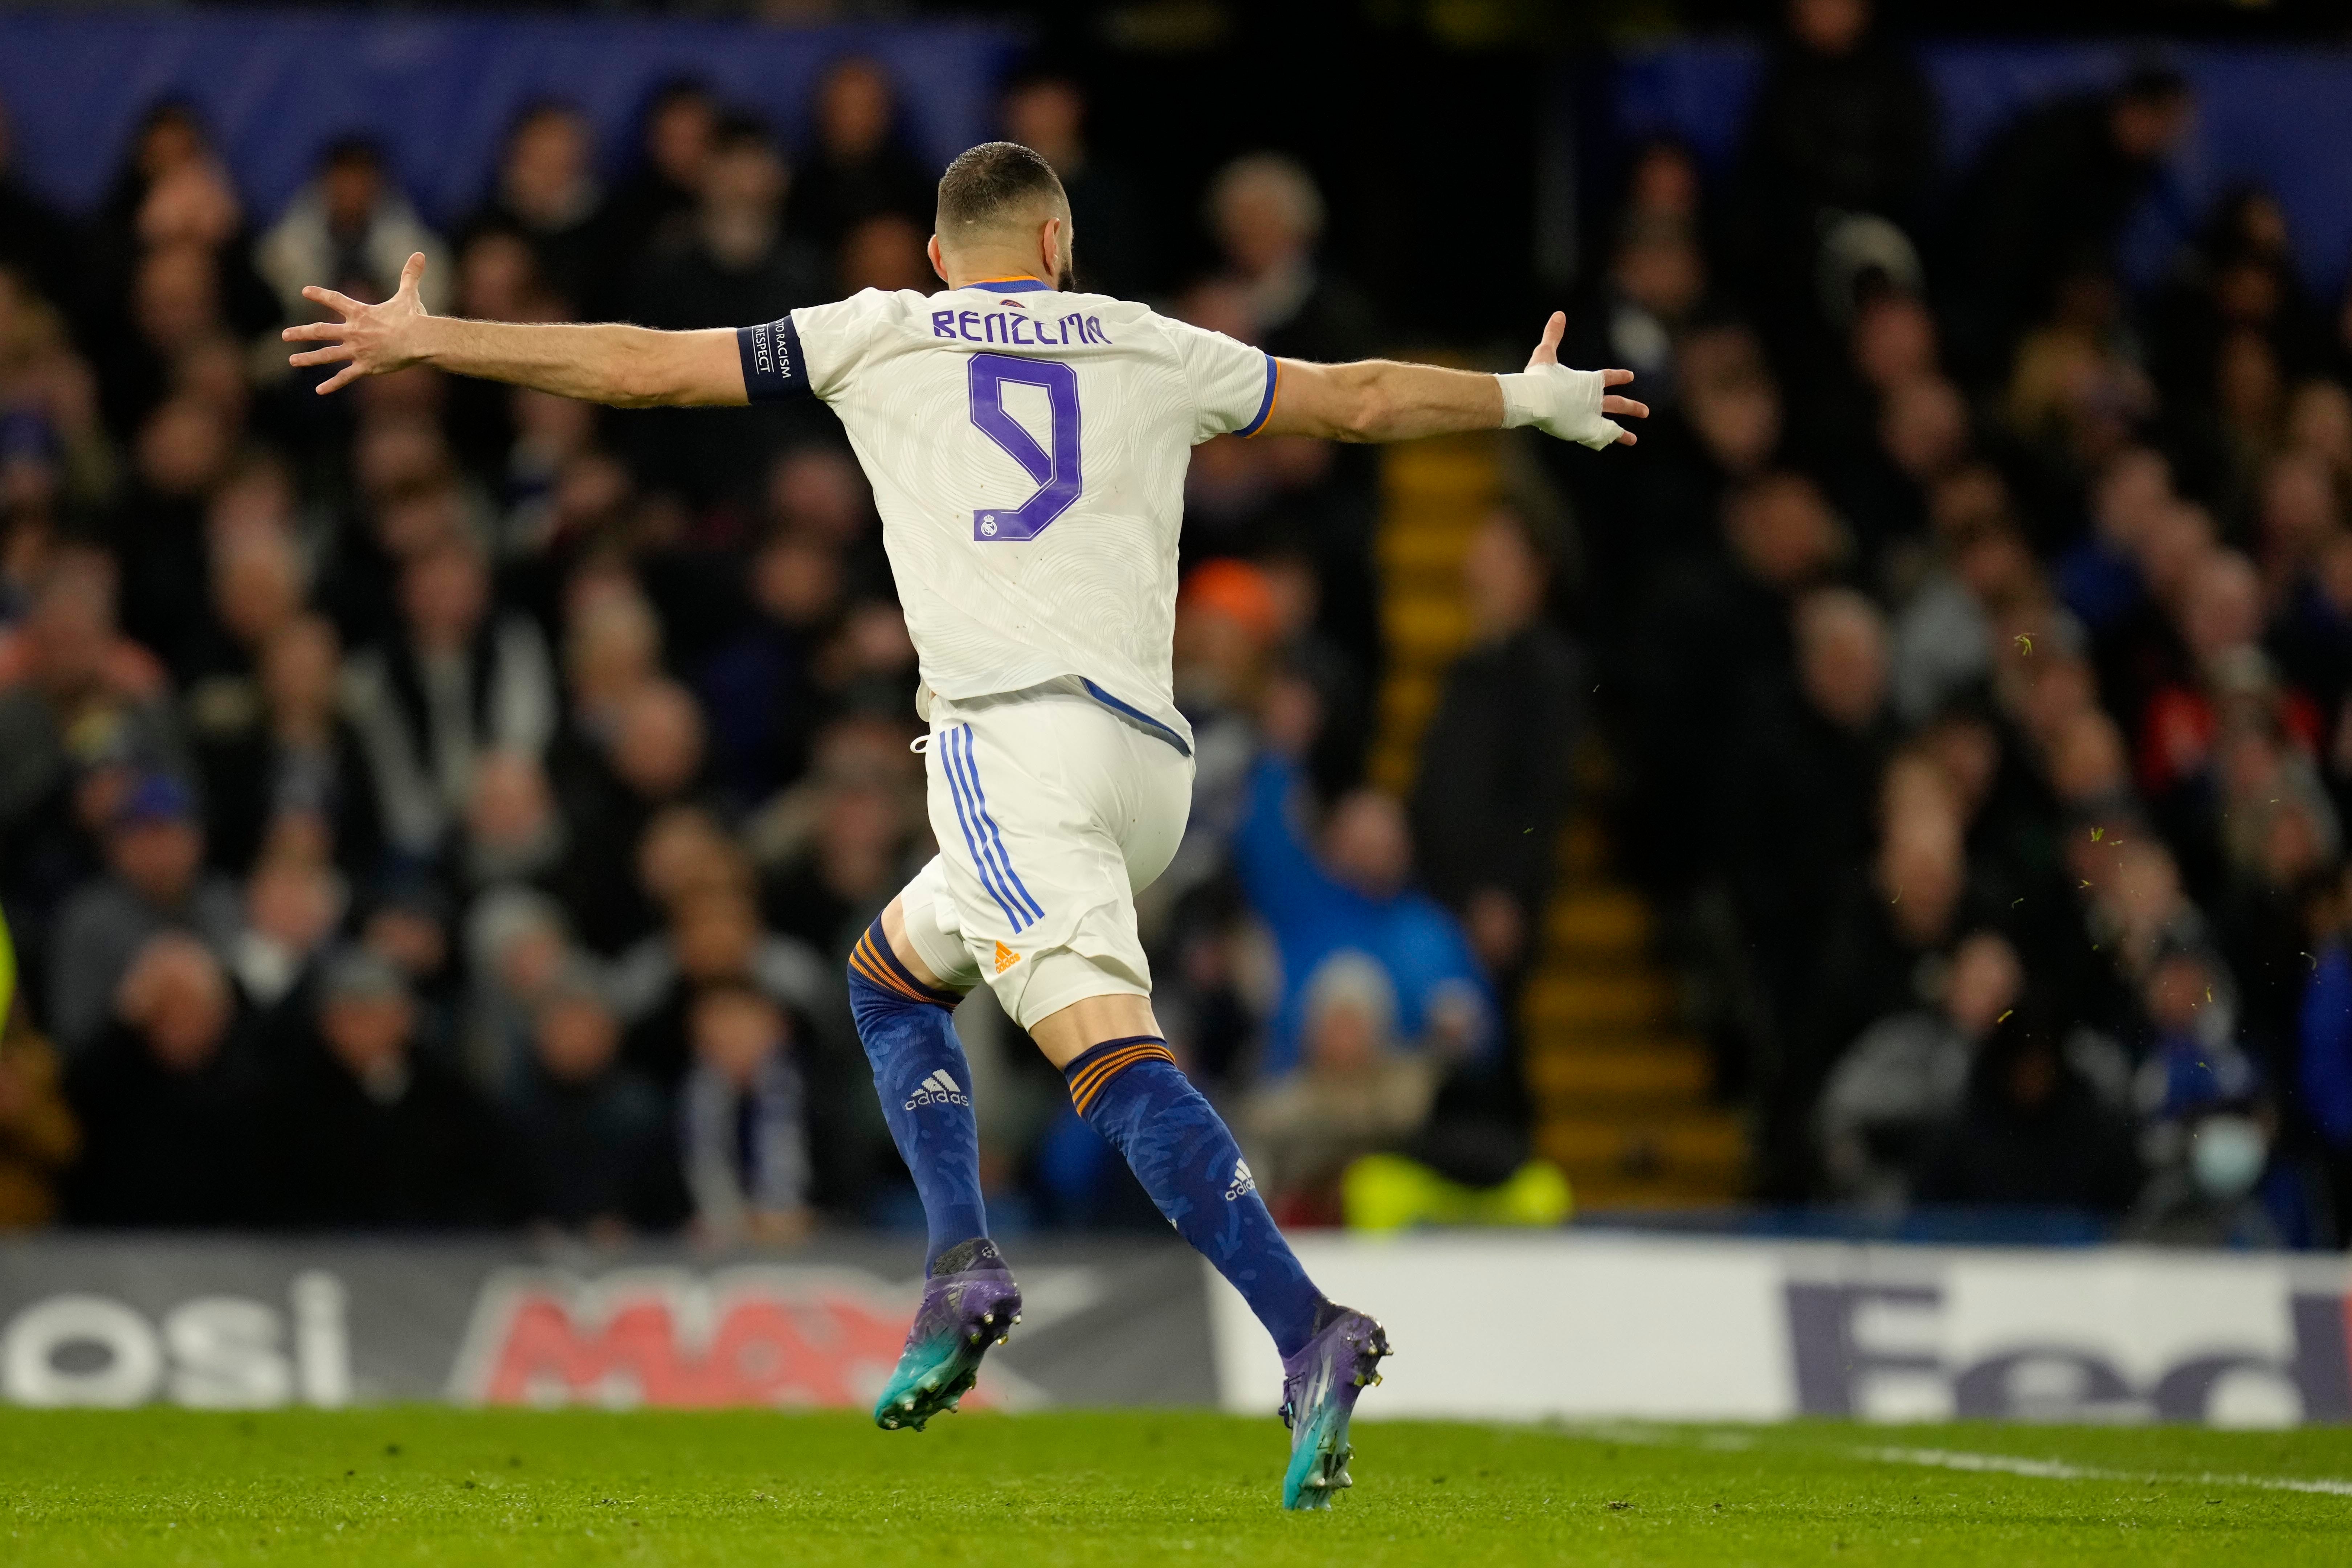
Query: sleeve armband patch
x: 773, y: 366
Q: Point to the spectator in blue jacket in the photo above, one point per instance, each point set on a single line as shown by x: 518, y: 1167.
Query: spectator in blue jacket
x: 1353, y: 890
x: 2325, y: 1064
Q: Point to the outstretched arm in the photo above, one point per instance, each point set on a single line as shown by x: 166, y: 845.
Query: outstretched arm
x: 629, y: 367
x: 1385, y: 400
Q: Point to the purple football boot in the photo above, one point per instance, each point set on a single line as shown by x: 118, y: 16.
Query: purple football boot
x: 1320, y: 1386
x: 969, y: 1302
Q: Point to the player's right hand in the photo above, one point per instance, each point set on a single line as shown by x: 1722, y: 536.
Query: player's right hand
x: 373, y: 339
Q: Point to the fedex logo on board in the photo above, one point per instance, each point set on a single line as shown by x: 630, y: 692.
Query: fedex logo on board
x: 1961, y: 1345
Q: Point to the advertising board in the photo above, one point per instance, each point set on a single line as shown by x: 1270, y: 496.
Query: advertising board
x: 1493, y: 1326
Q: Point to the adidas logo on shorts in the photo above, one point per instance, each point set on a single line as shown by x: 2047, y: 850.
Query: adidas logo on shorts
x: 1243, y: 1181
x: 937, y: 1089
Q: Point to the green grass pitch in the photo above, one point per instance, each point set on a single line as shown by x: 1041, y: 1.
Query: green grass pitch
x: 511, y: 1488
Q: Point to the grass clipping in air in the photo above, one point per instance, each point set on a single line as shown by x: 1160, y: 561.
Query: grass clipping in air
x: 420, y: 1484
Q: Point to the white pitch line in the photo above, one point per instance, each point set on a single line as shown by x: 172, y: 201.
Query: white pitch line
x: 2058, y: 1470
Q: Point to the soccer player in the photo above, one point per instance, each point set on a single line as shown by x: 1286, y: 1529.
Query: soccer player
x: 1027, y: 444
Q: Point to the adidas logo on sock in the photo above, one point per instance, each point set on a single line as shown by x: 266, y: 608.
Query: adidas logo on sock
x: 937, y: 1089
x: 1243, y: 1181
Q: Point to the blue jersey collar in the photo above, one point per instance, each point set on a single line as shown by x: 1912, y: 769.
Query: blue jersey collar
x: 1012, y: 286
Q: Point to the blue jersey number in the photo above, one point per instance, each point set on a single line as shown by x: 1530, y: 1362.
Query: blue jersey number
x: 1057, y: 472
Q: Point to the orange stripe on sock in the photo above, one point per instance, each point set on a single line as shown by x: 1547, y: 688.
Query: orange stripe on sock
x: 1093, y: 1075
x: 868, y: 961
x: 1090, y: 1083
x: 1123, y: 1057
x: 862, y: 959
x: 1096, y: 1077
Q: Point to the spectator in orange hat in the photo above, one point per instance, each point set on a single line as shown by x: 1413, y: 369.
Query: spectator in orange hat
x: 1226, y: 619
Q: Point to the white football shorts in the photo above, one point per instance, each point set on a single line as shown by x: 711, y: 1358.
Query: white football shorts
x: 1052, y: 812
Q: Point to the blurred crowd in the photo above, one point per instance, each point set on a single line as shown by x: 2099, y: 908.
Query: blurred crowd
x: 445, y: 806
x: 1979, y: 628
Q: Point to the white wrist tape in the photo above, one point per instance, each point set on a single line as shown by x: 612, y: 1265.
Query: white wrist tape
x: 1519, y: 408
x: 1560, y: 402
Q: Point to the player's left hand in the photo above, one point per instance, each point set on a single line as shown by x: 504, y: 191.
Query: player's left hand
x: 375, y: 339
x: 1547, y: 352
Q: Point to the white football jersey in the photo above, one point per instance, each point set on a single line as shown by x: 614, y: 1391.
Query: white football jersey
x: 1028, y: 449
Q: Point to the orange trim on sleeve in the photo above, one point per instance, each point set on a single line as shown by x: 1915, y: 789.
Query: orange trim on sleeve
x: 1273, y: 401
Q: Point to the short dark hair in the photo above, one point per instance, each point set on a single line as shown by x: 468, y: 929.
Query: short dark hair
x: 2153, y: 81
x: 737, y: 132
x: 984, y: 181
x: 357, y: 152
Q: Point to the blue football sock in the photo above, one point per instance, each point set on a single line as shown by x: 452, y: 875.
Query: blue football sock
x: 925, y: 1083
x: 1133, y: 1092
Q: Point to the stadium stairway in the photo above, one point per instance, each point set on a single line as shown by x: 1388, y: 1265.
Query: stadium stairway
x: 1620, y: 1090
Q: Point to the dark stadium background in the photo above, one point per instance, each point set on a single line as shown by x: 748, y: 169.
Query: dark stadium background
x: 1617, y: 722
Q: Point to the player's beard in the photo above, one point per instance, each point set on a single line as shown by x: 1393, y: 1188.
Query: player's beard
x: 1067, y: 279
